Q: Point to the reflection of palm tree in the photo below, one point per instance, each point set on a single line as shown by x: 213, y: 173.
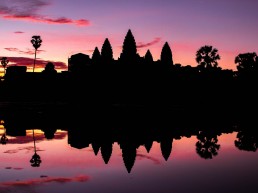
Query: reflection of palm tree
x: 35, y: 160
x: 207, y: 146
x: 4, y: 139
x: 247, y: 141
x: 36, y: 42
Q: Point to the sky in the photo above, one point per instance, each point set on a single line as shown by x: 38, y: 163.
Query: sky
x: 78, y: 26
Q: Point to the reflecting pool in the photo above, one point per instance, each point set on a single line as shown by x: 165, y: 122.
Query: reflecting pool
x: 53, y: 160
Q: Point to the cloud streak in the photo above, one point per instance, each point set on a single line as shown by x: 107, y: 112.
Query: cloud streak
x: 24, y: 61
x: 29, y: 139
x: 28, y: 52
x: 143, y: 45
x: 19, y: 32
x: 155, y: 161
x: 45, y: 180
x: 27, y: 10
x: 27, y: 149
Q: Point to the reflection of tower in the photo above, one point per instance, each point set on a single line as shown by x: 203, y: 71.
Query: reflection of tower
x: 95, y: 147
x: 129, y: 155
x: 106, y: 151
x: 35, y: 160
x: 166, y: 147
x: 148, y: 145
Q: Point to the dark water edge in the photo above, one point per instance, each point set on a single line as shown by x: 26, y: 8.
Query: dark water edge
x: 126, y: 116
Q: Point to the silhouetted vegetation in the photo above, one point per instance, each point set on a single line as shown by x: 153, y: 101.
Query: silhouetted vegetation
x: 36, y: 42
x: 4, y: 63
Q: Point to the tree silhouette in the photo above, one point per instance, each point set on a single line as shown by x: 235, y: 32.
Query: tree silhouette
x: 247, y: 64
x: 207, y: 57
x: 36, y: 42
x: 49, y: 69
x: 4, y: 63
x: 106, y: 52
x: 129, y: 53
x: 166, y: 55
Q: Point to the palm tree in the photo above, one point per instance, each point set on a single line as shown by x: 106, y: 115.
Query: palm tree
x: 4, y: 62
x: 36, y: 42
x: 207, y: 57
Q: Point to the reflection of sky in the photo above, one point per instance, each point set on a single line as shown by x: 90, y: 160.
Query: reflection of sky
x: 66, y: 169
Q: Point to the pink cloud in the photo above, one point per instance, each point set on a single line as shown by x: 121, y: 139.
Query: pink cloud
x: 45, y: 180
x: 28, y: 149
x: 28, y: 52
x: 28, y: 139
x: 9, y: 168
x: 19, y: 32
x: 141, y: 156
x: 82, y: 22
x: 42, y: 19
x: 23, y: 61
x: 26, y: 10
x: 143, y: 45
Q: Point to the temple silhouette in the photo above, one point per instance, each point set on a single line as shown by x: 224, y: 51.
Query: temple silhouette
x: 135, y: 80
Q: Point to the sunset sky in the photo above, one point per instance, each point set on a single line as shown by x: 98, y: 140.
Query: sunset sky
x: 70, y: 27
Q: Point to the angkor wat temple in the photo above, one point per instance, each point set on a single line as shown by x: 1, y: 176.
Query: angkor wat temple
x: 134, y: 80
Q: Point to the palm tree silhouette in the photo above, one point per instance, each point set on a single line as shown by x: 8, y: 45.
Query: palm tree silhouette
x: 35, y: 160
x: 36, y: 42
x: 4, y: 63
x: 207, y: 57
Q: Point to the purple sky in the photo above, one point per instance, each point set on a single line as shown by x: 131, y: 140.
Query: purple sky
x: 69, y: 27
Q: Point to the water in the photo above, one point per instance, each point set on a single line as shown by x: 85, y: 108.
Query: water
x: 165, y: 163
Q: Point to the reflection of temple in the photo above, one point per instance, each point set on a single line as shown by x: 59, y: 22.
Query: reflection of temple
x: 130, y: 129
